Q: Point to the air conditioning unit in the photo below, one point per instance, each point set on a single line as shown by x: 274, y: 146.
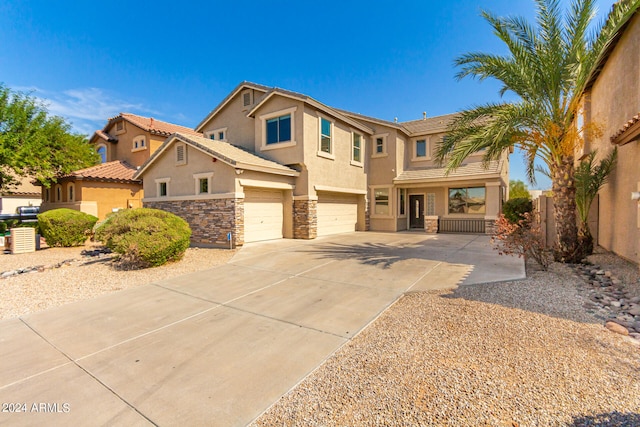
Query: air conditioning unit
x: 23, y: 240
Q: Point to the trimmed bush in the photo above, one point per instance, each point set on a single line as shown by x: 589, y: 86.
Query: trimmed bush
x: 514, y: 209
x: 3, y: 228
x: 145, y: 237
x: 65, y: 227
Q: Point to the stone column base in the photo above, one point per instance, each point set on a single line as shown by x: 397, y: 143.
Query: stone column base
x: 431, y: 224
x: 305, y: 219
x: 490, y: 226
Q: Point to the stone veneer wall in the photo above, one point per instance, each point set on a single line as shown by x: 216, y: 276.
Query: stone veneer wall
x: 490, y: 226
x: 431, y: 225
x: 210, y: 220
x: 305, y: 219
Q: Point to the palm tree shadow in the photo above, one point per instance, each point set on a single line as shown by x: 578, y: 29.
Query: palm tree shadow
x: 379, y: 255
x: 610, y: 419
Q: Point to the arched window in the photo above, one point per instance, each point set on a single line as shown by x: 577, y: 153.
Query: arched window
x: 58, y: 193
x: 71, y: 190
x: 102, y: 151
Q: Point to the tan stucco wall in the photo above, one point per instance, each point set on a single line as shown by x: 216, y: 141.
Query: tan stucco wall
x: 615, y: 98
x: 233, y: 116
x: 96, y: 198
x: 282, y: 154
x: 9, y: 204
x: 337, y: 171
x: 224, y: 180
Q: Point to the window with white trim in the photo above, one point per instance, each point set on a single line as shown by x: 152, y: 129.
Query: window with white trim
x: 203, y: 182
x: 162, y: 187
x: 381, y: 201
x: 138, y: 143
x: 181, y: 154
x: 356, y: 149
x: 326, y: 128
x: 278, y: 129
x: 218, y: 134
x: 421, y: 148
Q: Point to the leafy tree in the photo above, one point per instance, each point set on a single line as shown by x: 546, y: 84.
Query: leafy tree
x: 547, y: 68
x: 590, y: 177
x: 35, y: 144
x: 518, y: 190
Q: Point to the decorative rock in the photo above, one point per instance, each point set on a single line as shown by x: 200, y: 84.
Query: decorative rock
x: 600, y: 273
x: 634, y: 310
x: 615, y: 304
x: 635, y: 300
x: 616, y: 281
x: 607, y: 273
x: 618, y: 329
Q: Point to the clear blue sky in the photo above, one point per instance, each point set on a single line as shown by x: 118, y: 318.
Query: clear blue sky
x: 177, y: 60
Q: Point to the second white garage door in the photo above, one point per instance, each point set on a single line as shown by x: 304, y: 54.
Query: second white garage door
x: 262, y: 215
x: 337, y: 213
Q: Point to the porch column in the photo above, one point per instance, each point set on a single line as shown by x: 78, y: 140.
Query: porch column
x: 492, y: 206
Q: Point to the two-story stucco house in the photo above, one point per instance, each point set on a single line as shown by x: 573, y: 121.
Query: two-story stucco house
x: 274, y: 163
x: 125, y: 143
x: 612, y: 101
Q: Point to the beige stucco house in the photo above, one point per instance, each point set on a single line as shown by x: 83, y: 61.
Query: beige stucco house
x: 612, y: 100
x: 25, y: 193
x: 125, y: 143
x: 274, y: 163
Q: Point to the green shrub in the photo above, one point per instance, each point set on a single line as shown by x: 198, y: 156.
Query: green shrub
x: 3, y: 228
x: 12, y: 223
x: 65, y: 227
x: 514, y: 209
x: 145, y: 237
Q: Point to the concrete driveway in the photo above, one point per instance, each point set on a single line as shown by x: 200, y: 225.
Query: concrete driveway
x: 218, y: 347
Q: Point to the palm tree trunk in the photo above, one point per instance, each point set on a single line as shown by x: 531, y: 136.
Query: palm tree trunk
x: 564, y: 200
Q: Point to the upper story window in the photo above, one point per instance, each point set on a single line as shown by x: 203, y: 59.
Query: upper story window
x: 325, y: 135
x: 120, y: 126
x: 421, y: 148
x: 102, y: 152
x: 469, y: 200
x: 279, y: 129
x: 356, y: 152
x: 379, y: 145
x: 139, y: 143
x: 218, y: 134
x: 181, y: 154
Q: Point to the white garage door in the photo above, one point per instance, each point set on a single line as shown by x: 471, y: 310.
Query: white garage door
x: 262, y: 215
x: 337, y: 213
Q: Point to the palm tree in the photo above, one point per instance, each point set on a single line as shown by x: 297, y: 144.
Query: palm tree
x: 548, y: 67
x: 589, y: 179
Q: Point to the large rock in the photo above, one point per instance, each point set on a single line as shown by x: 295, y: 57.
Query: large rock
x: 618, y: 329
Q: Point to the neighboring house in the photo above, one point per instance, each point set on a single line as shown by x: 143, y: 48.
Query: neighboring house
x: 612, y: 100
x: 275, y: 163
x: 24, y: 194
x: 125, y: 143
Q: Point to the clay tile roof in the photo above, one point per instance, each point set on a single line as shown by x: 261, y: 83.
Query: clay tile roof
x: 628, y: 132
x: 104, y: 135
x: 116, y: 171
x: 438, y: 173
x: 434, y: 124
x: 155, y: 126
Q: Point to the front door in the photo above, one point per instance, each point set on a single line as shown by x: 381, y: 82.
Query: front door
x: 416, y: 211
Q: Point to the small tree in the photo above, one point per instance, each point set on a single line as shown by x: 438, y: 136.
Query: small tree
x: 35, y: 144
x: 589, y: 179
x: 65, y: 227
x: 518, y: 190
x: 523, y: 238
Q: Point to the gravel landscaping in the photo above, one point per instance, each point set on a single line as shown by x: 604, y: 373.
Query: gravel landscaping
x: 59, y: 276
x: 525, y: 353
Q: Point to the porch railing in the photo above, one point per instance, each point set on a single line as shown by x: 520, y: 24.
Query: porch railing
x: 462, y: 225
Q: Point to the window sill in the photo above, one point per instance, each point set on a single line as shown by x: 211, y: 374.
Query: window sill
x: 420, y: 159
x: 326, y: 155
x: 356, y: 164
x: 134, y: 150
x: 278, y: 145
x: 376, y: 156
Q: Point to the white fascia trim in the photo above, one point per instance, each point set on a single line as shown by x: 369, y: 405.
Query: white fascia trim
x: 195, y: 197
x: 266, y: 169
x: 266, y: 184
x: 339, y: 189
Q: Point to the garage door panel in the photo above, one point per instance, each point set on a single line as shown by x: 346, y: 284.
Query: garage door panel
x: 263, y: 215
x: 337, y: 213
